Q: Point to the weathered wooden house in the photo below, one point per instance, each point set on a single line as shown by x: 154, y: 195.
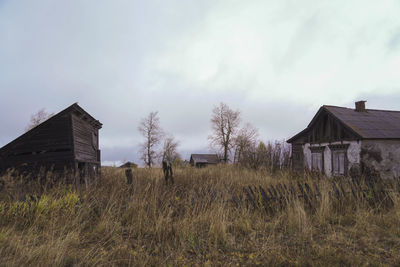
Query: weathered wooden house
x: 129, y: 164
x: 344, y: 141
x: 68, y: 141
x: 203, y: 160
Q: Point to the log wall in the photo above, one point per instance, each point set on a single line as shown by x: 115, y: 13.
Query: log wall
x: 86, y: 140
x: 49, y: 144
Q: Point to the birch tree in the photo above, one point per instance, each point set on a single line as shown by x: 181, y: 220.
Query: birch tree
x: 37, y: 118
x: 150, y: 129
x: 224, y: 124
x: 170, y: 152
x: 245, y: 145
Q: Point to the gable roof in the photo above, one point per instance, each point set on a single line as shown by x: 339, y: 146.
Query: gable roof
x: 205, y: 158
x: 73, y: 108
x: 368, y: 124
x: 128, y: 165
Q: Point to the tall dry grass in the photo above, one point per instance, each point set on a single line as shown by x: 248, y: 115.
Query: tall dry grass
x: 151, y: 224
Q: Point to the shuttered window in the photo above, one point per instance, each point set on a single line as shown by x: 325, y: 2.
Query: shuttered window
x: 316, y: 161
x: 339, y: 159
x: 317, y: 158
x: 338, y: 162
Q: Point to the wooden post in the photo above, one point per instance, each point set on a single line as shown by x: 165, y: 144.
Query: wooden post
x: 98, y: 173
x: 77, y: 176
x: 129, y: 176
x: 86, y: 174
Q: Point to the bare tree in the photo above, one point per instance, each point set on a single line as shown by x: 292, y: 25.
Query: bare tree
x: 37, y: 118
x: 170, y: 153
x: 245, y: 145
x: 150, y: 128
x: 262, y: 156
x: 273, y: 157
x: 224, y: 123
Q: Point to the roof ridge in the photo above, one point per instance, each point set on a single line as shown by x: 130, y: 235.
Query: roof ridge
x: 334, y: 106
x: 361, y: 124
x: 385, y: 110
x: 60, y: 113
x: 372, y: 109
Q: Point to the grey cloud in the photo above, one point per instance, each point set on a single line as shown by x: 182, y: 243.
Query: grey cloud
x: 106, y: 55
x: 301, y: 42
x: 277, y: 121
x: 128, y: 153
x: 394, y: 42
x: 379, y: 100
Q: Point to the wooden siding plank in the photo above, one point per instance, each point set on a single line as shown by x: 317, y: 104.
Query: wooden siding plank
x: 84, y: 148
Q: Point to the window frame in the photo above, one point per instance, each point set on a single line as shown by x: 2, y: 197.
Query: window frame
x: 335, y: 149
x: 318, y: 150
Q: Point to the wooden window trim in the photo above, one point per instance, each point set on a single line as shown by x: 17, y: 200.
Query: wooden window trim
x: 318, y: 150
x: 339, y: 148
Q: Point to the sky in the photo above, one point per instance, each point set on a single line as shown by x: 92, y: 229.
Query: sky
x: 276, y: 62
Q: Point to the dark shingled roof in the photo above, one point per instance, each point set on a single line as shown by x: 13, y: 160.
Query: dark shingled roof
x: 74, y: 107
x: 205, y: 158
x: 128, y: 165
x: 369, y: 124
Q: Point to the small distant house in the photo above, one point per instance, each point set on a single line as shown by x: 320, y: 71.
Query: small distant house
x: 128, y: 165
x: 202, y: 160
x: 341, y: 141
x: 68, y: 141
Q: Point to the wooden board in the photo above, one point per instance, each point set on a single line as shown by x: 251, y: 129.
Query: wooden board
x: 297, y: 158
x: 66, y: 138
x: 86, y: 142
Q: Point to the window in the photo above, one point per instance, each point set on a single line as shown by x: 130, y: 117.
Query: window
x: 94, y: 141
x: 317, y: 158
x: 316, y: 163
x: 339, y: 159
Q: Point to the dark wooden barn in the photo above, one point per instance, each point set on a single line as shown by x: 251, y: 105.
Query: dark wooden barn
x: 341, y: 141
x: 202, y: 160
x: 129, y: 165
x: 68, y: 141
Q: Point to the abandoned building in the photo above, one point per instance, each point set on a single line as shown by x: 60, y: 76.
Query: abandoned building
x: 68, y: 141
x: 129, y: 164
x: 344, y: 141
x: 203, y: 160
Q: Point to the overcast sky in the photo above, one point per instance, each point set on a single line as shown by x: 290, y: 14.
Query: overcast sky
x: 275, y: 61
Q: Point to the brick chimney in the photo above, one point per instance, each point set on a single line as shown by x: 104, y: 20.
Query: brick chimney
x: 360, y: 106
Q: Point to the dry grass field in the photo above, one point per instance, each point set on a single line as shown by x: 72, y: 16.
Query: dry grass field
x: 151, y: 224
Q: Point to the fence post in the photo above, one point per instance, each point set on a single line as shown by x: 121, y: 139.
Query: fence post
x: 250, y: 198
